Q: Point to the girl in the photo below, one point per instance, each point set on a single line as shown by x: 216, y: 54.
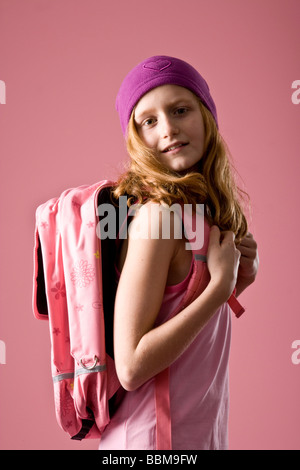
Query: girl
x: 170, y: 123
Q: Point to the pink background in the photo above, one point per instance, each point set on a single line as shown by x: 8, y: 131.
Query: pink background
x: 62, y: 63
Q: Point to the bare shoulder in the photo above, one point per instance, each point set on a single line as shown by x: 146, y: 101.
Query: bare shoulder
x: 156, y: 221
x: 148, y: 233
x: 155, y: 239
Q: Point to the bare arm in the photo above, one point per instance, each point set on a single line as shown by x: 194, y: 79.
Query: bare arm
x: 142, y: 350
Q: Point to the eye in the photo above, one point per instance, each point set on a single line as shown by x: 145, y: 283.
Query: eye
x: 148, y: 122
x: 181, y: 110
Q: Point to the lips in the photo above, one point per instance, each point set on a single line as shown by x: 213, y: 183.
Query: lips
x: 174, y: 146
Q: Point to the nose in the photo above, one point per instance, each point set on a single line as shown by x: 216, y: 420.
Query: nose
x: 168, y: 127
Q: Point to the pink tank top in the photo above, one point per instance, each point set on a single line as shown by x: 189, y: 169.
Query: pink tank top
x: 199, y: 392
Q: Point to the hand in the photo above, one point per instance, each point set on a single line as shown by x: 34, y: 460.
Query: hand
x: 249, y: 262
x: 223, y: 261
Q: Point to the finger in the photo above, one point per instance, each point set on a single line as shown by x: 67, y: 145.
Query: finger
x: 247, y: 252
x: 228, y: 236
x: 248, y: 242
x: 248, y: 237
x: 215, y: 237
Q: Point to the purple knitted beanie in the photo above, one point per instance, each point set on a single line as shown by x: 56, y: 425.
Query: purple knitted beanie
x: 156, y: 71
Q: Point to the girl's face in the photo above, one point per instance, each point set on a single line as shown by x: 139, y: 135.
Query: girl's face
x: 169, y: 120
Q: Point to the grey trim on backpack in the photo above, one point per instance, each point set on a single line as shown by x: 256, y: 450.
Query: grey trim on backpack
x: 90, y: 371
x: 200, y: 257
x: 71, y: 375
x: 60, y: 377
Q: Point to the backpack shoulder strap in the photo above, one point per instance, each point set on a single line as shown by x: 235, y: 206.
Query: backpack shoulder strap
x: 197, y: 231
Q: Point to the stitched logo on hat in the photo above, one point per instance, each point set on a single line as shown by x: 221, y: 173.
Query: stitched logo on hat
x: 159, y: 65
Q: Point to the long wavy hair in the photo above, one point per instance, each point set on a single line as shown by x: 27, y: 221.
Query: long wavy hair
x: 213, y: 184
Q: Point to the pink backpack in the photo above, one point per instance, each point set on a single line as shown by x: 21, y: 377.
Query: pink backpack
x: 74, y: 288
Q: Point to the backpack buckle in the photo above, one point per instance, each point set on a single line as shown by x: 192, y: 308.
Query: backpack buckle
x: 90, y: 367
